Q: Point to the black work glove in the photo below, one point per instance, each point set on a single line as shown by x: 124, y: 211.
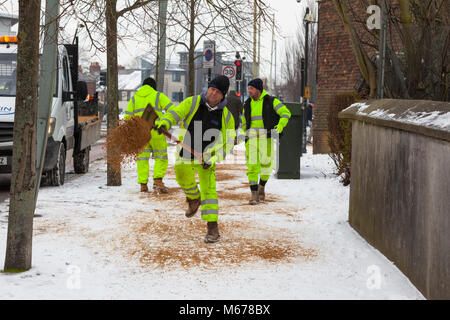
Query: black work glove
x: 206, y: 165
x: 160, y: 128
x: 209, y: 163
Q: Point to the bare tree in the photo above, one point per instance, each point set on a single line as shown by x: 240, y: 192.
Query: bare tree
x: 226, y: 22
x: 417, y: 49
x: 294, y: 53
x: 23, y: 180
x: 95, y: 15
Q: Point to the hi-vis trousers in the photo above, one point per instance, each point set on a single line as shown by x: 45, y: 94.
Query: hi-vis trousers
x: 185, y: 175
x: 157, y: 146
x: 259, y: 160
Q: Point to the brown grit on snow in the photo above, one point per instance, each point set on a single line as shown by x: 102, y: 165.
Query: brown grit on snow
x: 127, y: 140
x: 166, y: 240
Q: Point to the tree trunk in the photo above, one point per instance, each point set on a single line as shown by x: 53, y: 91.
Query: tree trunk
x: 113, y: 176
x: 366, y: 66
x: 412, y: 61
x: 191, y: 83
x: 23, y: 179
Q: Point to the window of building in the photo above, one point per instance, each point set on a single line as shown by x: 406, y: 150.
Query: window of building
x: 177, y: 96
x: 176, y: 77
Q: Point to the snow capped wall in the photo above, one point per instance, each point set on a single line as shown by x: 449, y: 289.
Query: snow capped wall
x: 426, y: 117
x: 400, y: 190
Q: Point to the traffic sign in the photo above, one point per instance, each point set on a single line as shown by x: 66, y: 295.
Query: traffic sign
x: 228, y: 71
x: 307, y: 92
x: 208, y: 54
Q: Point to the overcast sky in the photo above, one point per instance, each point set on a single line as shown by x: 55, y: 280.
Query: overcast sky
x: 288, y: 15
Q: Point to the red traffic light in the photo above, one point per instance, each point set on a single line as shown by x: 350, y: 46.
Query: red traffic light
x: 237, y: 63
x: 238, y: 94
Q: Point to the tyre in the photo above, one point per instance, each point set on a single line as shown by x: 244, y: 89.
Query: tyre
x: 56, y: 175
x: 81, y: 161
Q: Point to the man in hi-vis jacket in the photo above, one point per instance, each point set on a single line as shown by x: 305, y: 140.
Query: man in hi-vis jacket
x: 158, y: 144
x: 262, y: 114
x: 207, y: 127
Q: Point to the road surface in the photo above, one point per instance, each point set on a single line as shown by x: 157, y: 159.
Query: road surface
x: 96, y: 153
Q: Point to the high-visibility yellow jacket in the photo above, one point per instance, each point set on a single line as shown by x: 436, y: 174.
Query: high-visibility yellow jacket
x: 185, y: 112
x: 145, y: 95
x: 256, y: 113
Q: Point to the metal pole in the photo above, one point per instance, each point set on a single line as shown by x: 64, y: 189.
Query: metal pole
x: 275, y: 79
x: 46, y: 84
x: 305, y: 81
x: 259, y: 46
x: 254, y: 39
x: 162, y: 21
x: 382, y: 49
x: 271, y: 54
x: 306, y: 49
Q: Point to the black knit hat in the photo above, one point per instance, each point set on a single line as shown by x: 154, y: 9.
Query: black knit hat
x: 150, y: 82
x: 221, y: 83
x: 256, y: 83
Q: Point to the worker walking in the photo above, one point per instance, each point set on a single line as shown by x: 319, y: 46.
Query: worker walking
x: 207, y: 127
x: 262, y: 114
x: 158, y: 144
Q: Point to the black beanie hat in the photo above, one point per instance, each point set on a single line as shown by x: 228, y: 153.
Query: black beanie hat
x: 221, y: 83
x: 256, y: 83
x: 150, y: 82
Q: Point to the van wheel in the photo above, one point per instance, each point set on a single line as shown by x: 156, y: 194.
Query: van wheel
x: 81, y: 161
x: 56, y: 175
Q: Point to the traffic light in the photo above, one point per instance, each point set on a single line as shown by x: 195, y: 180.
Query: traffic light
x: 102, y: 81
x: 238, y: 64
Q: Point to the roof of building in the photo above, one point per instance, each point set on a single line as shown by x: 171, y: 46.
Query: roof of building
x: 129, y: 79
x: 88, y: 77
x: 13, y: 17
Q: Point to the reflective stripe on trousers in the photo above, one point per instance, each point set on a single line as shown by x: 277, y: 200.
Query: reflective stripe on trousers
x: 157, y: 146
x: 259, y: 160
x: 185, y: 176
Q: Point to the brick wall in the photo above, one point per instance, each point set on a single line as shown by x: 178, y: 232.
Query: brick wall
x: 337, y: 70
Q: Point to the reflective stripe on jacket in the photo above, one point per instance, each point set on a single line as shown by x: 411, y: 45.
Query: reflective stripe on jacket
x: 183, y: 114
x: 256, y: 115
x: 145, y: 95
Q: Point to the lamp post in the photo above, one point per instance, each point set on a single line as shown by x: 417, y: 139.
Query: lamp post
x: 308, y: 19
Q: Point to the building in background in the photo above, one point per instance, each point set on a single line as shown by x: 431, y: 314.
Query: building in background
x: 7, y: 21
x: 338, y: 71
x: 175, y: 80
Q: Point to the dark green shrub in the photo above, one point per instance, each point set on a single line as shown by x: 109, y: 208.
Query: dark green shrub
x: 340, y: 135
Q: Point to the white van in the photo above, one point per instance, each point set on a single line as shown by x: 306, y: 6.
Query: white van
x: 70, y: 135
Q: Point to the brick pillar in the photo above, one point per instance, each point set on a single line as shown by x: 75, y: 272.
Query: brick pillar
x: 337, y: 70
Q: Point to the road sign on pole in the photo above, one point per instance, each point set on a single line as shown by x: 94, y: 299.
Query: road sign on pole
x: 208, y: 54
x: 228, y: 71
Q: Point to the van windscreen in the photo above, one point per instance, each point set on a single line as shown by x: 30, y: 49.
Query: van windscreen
x: 8, y: 64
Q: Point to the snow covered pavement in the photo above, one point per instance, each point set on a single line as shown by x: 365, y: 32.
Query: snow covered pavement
x: 97, y: 242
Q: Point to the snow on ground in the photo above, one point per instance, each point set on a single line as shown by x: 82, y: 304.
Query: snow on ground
x: 97, y: 242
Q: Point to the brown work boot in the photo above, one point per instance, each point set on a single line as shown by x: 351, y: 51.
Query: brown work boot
x: 144, y: 187
x: 261, y: 193
x: 158, y: 186
x: 213, y: 233
x: 255, y: 198
x: 193, y: 207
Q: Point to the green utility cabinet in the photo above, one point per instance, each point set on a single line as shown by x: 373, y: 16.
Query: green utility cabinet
x: 289, y: 148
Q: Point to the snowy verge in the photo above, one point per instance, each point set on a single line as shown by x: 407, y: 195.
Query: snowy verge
x: 97, y: 242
